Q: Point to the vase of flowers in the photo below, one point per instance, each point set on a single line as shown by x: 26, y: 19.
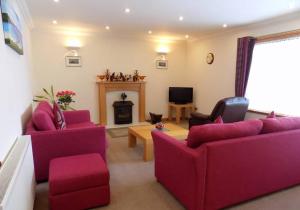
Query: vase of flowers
x: 62, y: 98
x: 159, y: 126
x: 48, y: 95
x: 65, y: 98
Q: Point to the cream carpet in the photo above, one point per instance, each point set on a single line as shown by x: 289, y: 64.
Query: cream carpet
x: 133, y: 186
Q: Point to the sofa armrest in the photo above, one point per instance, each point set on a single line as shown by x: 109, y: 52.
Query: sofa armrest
x: 52, y: 144
x: 199, y: 119
x: 180, y: 169
x: 200, y: 115
x: 77, y: 116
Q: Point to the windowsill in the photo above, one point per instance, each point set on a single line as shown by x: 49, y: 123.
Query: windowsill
x: 257, y: 112
x: 264, y: 113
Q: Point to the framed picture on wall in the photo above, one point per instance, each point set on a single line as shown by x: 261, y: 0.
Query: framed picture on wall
x: 73, y: 61
x: 162, y: 64
x: 11, y: 27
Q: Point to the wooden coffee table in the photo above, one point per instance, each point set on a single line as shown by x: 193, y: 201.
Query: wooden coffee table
x: 143, y: 133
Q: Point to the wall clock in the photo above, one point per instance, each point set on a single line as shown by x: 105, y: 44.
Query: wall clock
x: 210, y: 58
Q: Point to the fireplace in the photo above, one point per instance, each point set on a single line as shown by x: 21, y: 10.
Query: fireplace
x: 123, y: 112
x: 105, y: 87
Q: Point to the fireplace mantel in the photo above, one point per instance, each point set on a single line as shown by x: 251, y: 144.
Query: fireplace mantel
x: 105, y: 87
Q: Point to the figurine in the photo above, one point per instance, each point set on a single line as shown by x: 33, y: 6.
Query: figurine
x: 112, y: 77
x: 128, y: 77
x: 122, y: 77
x: 136, y: 76
x: 107, y: 74
x: 123, y: 96
x: 117, y: 78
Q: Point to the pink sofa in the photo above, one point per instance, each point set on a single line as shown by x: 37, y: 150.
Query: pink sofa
x: 80, y: 137
x: 221, y: 173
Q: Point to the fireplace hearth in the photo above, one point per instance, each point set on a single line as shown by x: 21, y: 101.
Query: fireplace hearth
x: 123, y: 112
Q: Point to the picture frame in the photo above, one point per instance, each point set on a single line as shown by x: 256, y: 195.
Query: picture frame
x: 11, y: 27
x: 73, y: 61
x: 162, y: 64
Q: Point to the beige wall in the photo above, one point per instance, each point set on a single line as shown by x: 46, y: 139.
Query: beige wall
x: 187, y: 65
x: 98, y: 53
x: 15, y: 88
x: 216, y: 81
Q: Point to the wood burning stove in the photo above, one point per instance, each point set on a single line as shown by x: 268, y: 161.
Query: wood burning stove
x: 123, y: 112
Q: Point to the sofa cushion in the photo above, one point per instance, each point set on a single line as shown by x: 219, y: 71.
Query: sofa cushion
x: 81, y: 125
x: 219, y: 120
x: 42, y: 120
x: 59, y: 118
x: 74, y: 173
x: 46, y: 107
x: 278, y: 124
x: 213, y: 132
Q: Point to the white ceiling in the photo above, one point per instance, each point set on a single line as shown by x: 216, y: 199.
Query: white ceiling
x: 160, y: 16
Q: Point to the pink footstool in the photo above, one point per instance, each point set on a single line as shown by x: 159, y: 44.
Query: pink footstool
x: 78, y: 182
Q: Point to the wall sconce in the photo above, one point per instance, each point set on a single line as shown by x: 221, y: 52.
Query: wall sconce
x: 72, y: 57
x: 161, y: 60
x: 162, y: 51
x: 73, y: 45
x: 162, y: 56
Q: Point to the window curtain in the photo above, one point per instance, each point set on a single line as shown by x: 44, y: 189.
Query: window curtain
x: 243, y: 64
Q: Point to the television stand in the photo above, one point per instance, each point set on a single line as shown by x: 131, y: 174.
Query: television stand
x: 179, y: 108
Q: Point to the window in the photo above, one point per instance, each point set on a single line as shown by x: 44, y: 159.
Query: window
x: 274, y: 80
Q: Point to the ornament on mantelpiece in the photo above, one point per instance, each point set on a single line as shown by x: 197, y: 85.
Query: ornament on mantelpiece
x: 101, y: 77
x: 112, y: 77
x: 107, y: 74
x: 136, y: 76
x: 121, y: 77
x: 142, y: 78
x: 123, y: 96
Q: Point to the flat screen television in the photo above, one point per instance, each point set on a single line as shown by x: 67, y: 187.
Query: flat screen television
x: 181, y: 95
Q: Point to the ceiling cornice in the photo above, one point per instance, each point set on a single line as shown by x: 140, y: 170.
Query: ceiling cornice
x: 252, y: 26
x: 25, y: 13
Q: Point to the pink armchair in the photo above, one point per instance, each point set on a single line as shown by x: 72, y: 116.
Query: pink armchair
x: 80, y: 137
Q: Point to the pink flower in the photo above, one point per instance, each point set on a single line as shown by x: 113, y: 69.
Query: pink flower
x: 65, y: 93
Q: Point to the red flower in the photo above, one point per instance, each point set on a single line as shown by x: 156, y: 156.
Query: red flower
x: 65, y: 93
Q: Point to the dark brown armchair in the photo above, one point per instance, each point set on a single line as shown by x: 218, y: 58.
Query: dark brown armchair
x: 231, y: 109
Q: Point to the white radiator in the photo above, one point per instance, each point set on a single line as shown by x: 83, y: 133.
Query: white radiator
x: 17, y: 183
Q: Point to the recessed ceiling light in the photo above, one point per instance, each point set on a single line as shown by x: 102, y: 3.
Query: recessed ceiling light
x: 225, y: 25
x: 56, y: 1
x: 187, y: 36
x: 107, y: 27
x: 127, y: 10
x: 54, y: 22
x: 149, y: 32
x: 180, y: 18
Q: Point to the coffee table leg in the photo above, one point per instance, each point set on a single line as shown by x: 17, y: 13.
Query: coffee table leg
x: 131, y: 140
x: 148, y: 150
